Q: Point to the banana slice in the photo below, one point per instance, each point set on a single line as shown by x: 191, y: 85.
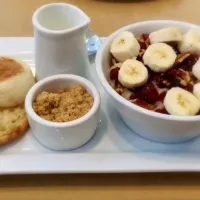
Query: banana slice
x: 132, y: 74
x: 190, y: 42
x: 170, y: 34
x: 159, y: 57
x: 125, y: 46
x: 196, y: 69
x: 196, y: 90
x: 181, y: 102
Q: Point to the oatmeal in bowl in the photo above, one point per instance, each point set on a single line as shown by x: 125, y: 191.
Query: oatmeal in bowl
x: 150, y: 71
x: 158, y: 71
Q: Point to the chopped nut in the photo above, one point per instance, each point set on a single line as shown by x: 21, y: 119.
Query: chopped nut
x: 191, y: 74
x: 185, y: 75
x: 112, y: 83
x: 147, y: 42
x: 119, y: 90
x: 192, y: 83
x: 126, y: 93
x: 116, y: 65
x: 181, y: 57
x: 165, y: 82
x: 113, y: 61
x: 143, y: 104
x: 140, y: 40
x: 183, y: 83
x: 142, y: 51
x: 133, y: 100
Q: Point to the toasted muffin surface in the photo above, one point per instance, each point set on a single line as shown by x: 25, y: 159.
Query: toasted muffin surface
x: 16, y: 78
x: 9, y: 68
x: 13, y: 124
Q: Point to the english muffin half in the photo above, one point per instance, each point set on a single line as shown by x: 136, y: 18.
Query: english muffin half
x: 13, y: 124
x: 16, y: 78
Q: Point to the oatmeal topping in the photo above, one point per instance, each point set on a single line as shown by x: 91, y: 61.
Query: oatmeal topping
x: 170, y: 64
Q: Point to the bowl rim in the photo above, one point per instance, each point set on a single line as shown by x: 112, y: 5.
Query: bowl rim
x: 82, y: 81
x: 120, y: 99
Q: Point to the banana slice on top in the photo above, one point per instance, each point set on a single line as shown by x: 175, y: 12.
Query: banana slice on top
x: 125, y: 46
x: 181, y: 102
x: 132, y: 73
x: 170, y: 34
x: 190, y: 42
x: 196, y: 69
x: 196, y: 90
x: 159, y: 57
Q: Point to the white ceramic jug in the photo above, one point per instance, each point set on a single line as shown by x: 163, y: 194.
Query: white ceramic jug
x: 59, y: 37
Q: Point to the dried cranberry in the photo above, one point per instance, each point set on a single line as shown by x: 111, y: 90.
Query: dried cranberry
x: 114, y: 73
x: 144, y: 104
x: 162, y: 96
x: 133, y: 96
x: 149, y: 93
x: 192, y: 60
x: 160, y: 80
x: 145, y: 36
x: 141, y: 103
x: 189, y: 62
x: 189, y: 88
x: 163, y: 111
x: 142, y: 45
x: 184, y: 67
x: 172, y: 77
x: 131, y: 89
x: 116, y: 83
x: 172, y: 73
x: 152, y: 75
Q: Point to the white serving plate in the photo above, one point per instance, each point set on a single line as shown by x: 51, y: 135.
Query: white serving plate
x: 114, y: 148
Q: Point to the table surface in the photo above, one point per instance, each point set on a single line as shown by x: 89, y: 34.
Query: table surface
x: 106, y: 16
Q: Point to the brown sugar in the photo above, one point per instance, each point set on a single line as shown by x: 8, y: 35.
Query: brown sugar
x: 66, y: 105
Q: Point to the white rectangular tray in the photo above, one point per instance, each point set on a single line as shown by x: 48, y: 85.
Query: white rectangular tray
x: 114, y: 148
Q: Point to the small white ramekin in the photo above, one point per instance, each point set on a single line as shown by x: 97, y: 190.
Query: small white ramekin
x: 63, y: 135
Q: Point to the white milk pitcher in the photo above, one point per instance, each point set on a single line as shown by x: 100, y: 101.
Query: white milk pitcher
x: 59, y: 37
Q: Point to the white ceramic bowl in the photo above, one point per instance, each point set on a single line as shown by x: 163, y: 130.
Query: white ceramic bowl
x: 148, y: 124
x: 64, y: 135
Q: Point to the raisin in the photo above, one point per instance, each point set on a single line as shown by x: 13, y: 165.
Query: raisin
x: 114, y: 73
x: 144, y: 104
x: 133, y: 96
x: 163, y: 111
x: 145, y: 36
x: 142, y: 45
x: 149, y: 93
x: 162, y: 96
x: 189, y: 88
